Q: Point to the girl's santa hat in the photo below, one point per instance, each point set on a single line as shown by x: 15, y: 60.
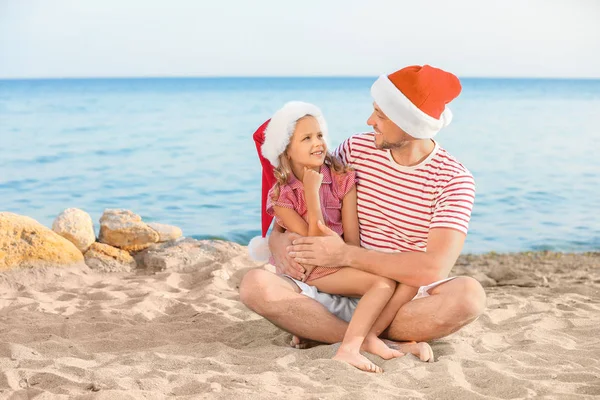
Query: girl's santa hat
x: 271, y: 139
x: 415, y: 99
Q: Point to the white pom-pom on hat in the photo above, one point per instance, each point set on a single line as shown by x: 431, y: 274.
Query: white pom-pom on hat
x: 258, y: 248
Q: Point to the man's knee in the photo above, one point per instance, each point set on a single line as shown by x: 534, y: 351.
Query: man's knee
x: 252, y: 288
x: 261, y: 289
x: 471, y: 297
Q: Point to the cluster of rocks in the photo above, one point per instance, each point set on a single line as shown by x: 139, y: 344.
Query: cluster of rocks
x: 25, y: 242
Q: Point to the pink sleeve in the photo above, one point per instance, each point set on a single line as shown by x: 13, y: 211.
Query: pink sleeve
x: 286, y: 199
x: 344, y: 182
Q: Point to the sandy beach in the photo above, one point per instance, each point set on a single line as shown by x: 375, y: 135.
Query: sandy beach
x: 76, y: 333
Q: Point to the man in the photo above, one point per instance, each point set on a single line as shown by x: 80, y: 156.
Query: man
x: 414, y: 206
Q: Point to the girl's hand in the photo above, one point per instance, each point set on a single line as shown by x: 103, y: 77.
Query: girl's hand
x: 311, y: 180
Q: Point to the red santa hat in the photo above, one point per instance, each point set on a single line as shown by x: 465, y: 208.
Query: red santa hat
x: 271, y: 139
x: 415, y: 99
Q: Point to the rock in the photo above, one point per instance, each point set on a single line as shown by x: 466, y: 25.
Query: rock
x: 76, y: 226
x: 221, y: 273
x: 503, y: 273
x: 125, y: 230
x: 523, y: 282
x: 126, y: 215
x: 485, y: 280
x: 187, y: 254
x: 24, y: 242
x: 94, y: 387
x: 166, y: 232
x: 180, y: 256
x: 104, y: 258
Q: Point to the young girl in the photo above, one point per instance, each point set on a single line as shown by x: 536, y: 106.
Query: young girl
x: 311, y: 186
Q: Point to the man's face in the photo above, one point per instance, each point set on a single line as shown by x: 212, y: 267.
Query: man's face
x: 388, y: 135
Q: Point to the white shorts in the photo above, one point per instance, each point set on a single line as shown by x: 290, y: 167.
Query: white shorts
x: 343, y: 307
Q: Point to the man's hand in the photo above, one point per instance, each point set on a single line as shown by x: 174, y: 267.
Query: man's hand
x: 286, y: 265
x: 324, y: 251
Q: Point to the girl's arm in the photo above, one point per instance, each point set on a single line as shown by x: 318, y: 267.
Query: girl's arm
x: 314, y: 213
x: 292, y: 220
x: 350, y: 218
x: 312, y: 182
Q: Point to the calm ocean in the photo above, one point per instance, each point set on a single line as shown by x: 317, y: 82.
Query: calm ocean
x: 179, y: 151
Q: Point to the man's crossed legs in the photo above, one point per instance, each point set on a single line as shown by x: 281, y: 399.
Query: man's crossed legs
x: 449, y: 306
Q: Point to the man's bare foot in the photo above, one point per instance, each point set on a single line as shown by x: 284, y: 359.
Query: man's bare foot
x: 372, y: 344
x: 301, y: 343
x: 421, y: 349
x: 298, y: 342
x: 357, y: 360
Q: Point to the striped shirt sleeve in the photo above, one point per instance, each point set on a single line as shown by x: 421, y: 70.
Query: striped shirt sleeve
x: 454, y: 204
x: 344, y: 152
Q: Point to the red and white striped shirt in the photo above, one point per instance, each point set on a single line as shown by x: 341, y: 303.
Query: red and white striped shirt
x: 399, y: 205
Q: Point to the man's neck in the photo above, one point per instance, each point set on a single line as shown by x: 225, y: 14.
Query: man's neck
x: 413, y: 153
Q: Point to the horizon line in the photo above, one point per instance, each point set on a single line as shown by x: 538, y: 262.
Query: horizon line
x: 273, y: 77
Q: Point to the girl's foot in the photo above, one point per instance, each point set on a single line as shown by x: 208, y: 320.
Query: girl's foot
x: 420, y: 349
x: 374, y: 345
x: 357, y: 360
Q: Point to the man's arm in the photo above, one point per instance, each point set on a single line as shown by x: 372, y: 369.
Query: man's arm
x: 411, y: 268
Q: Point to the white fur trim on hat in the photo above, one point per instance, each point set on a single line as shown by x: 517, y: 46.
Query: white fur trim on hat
x: 404, y: 113
x: 282, y: 125
x: 258, y: 248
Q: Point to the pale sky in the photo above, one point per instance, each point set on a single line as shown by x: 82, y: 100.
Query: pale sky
x: 106, y: 38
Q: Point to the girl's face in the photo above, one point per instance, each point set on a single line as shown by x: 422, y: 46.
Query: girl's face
x: 307, y: 147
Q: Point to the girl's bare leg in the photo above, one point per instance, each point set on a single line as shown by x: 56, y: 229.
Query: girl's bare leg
x: 376, y: 291
x: 374, y: 345
x: 385, y: 349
